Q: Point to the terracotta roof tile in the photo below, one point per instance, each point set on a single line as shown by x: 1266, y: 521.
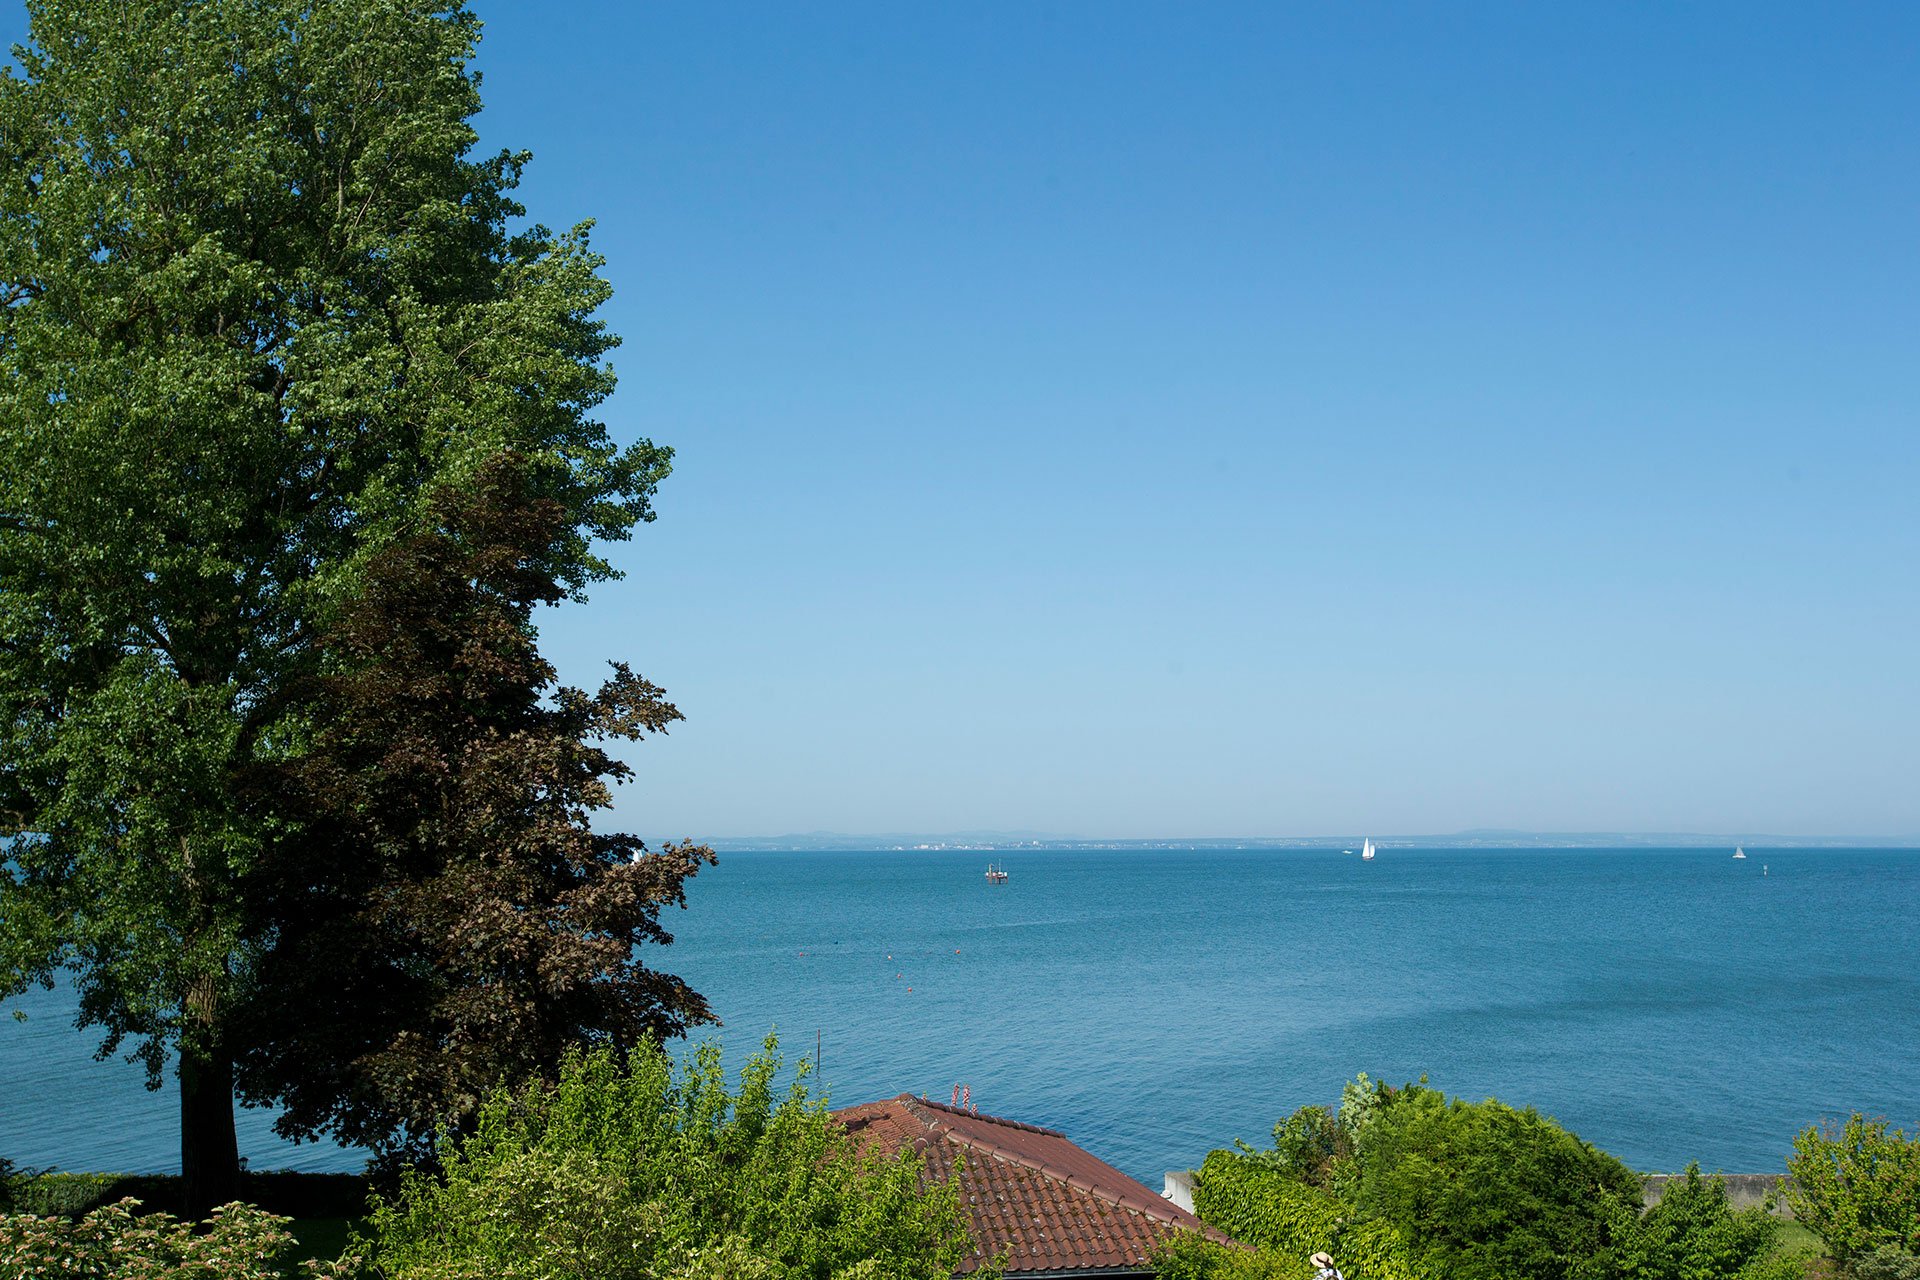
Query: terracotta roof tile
x: 1032, y: 1194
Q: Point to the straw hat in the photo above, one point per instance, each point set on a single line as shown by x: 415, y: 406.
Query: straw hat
x: 1321, y: 1259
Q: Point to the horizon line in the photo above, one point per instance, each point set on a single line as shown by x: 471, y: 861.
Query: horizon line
x: 1471, y: 836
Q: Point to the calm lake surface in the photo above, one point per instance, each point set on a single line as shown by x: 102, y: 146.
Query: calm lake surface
x: 1667, y: 1005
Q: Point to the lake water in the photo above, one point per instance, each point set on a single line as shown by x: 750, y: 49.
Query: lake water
x: 1667, y: 1005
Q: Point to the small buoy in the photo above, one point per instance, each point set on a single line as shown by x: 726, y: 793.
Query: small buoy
x: 889, y: 955
x: 898, y: 976
x: 909, y: 990
x: 956, y: 951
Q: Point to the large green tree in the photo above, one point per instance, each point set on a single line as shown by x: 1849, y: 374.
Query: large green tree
x: 258, y: 294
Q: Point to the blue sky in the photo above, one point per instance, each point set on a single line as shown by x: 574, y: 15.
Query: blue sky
x: 1150, y: 420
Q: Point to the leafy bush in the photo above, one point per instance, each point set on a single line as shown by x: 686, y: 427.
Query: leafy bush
x: 1317, y: 1146
x: 1361, y: 1100
x: 1858, y: 1189
x: 631, y: 1169
x: 1486, y: 1192
x: 1261, y: 1205
x: 1191, y: 1256
x: 1308, y: 1145
x: 1408, y: 1183
x: 1885, y: 1263
x: 1694, y: 1232
x: 283, y: 1192
x: 71, y: 1195
x: 239, y: 1242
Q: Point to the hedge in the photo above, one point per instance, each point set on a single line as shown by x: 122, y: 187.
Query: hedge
x: 1263, y: 1207
x: 288, y: 1194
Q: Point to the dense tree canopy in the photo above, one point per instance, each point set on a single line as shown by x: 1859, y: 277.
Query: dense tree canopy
x: 440, y: 894
x: 258, y: 296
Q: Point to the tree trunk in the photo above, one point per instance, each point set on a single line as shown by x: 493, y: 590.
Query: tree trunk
x: 209, y: 1153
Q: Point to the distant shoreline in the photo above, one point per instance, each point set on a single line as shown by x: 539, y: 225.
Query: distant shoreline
x: 984, y: 843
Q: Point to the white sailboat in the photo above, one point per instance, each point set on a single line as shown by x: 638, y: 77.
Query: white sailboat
x: 1739, y: 852
x: 1366, y: 851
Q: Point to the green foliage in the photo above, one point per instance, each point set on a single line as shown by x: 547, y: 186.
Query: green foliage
x: 1785, y: 1264
x: 1693, y: 1234
x: 323, y: 1238
x: 636, y: 1170
x: 1309, y: 1145
x: 1857, y: 1188
x: 1885, y: 1263
x: 1191, y: 1256
x: 259, y: 298
x: 70, y: 1195
x: 1317, y: 1146
x: 1258, y: 1204
x: 1487, y: 1192
x: 1406, y: 1182
x: 239, y: 1242
x: 293, y: 1195
x: 1361, y: 1100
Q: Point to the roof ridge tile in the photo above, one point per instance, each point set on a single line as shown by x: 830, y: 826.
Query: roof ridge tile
x: 966, y: 1114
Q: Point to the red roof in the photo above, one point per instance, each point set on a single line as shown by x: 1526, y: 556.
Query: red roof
x: 1031, y: 1194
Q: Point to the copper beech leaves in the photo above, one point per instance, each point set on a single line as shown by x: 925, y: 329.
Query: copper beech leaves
x: 440, y: 893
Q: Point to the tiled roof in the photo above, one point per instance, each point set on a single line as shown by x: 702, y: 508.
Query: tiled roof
x: 1031, y: 1194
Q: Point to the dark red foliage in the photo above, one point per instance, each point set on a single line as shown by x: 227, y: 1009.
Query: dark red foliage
x: 445, y: 918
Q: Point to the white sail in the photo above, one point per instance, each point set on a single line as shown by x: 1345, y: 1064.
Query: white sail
x: 1366, y: 851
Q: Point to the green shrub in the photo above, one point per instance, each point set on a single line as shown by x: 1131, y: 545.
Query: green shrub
x: 1308, y: 1145
x: 1191, y: 1256
x: 635, y: 1170
x: 1692, y: 1234
x: 1261, y: 1205
x: 1885, y: 1263
x: 1406, y: 1182
x: 239, y: 1242
x: 1858, y: 1189
x: 283, y: 1192
x: 1361, y: 1100
x: 1787, y: 1264
x: 1486, y: 1192
x: 75, y: 1194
